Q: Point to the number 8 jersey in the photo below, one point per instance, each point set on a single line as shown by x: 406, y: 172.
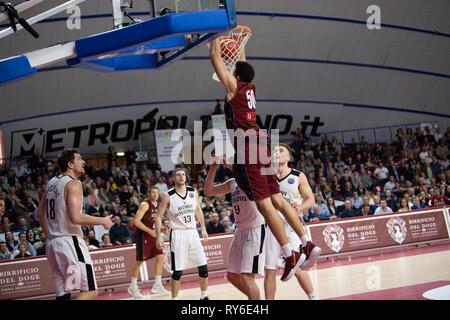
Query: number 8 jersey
x: 58, y: 220
x: 181, y: 211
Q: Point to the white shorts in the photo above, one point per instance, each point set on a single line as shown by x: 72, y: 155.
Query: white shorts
x: 71, y: 265
x: 247, y: 251
x: 186, y: 250
x: 274, y: 253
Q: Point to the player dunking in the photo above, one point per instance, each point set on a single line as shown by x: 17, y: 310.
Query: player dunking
x: 295, y: 189
x: 145, y: 238
x: 61, y: 219
x: 246, y: 257
x: 263, y: 189
x: 186, y: 250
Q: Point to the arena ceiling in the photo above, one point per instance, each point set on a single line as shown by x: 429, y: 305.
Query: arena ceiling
x: 315, y: 51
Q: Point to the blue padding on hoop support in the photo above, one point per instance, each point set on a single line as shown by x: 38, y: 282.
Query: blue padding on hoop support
x: 132, y: 62
x: 13, y: 68
x: 231, y: 12
x: 165, y: 33
x: 208, y: 21
x: 172, y: 43
x: 181, y: 53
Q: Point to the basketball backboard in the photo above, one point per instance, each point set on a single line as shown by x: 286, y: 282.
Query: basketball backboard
x: 174, y: 28
x: 185, y: 5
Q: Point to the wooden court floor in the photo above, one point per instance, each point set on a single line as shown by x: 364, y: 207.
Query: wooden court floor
x: 401, y: 274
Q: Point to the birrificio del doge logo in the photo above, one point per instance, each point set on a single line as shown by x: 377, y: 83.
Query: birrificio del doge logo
x: 397, y: 229
x: 334, y: 237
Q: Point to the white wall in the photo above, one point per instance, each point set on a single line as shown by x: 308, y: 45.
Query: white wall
x: 405, y: 96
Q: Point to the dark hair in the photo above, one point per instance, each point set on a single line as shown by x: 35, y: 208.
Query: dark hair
x: 34, y: 235
x: 245, y: 71
x: 65, y: 157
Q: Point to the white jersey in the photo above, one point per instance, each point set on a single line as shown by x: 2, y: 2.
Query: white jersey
x: 289, y: 189
x: 246, y: 215
x: 182, y: 209
x: 58, y: 220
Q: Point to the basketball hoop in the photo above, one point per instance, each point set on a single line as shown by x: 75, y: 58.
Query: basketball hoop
x: 231, y: 46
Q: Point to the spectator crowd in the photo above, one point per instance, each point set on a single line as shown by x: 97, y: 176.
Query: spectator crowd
x: 348, y: 180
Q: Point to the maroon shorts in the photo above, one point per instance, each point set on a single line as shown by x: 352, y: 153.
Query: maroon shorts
x: 145, y: 246
x: 257, y: 180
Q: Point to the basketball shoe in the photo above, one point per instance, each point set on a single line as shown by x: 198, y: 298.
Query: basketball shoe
x: 158, y: 288
x: 134, y: 291
x: 292, y: 263
x: 312, y: 252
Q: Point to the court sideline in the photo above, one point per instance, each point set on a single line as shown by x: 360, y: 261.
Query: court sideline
x: 404, y: 274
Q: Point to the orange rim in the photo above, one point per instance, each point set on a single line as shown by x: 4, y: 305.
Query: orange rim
x: 244, y: 28
x: 236, y: 37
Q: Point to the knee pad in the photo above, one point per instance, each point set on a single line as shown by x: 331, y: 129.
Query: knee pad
x: 203, y: 271
x: 176, y: 275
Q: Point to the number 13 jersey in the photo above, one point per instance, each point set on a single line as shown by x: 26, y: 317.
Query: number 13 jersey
x: 181, y: 211
x: 58, y: 220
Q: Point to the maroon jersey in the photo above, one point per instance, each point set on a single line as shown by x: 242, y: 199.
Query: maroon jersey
x: 438, y: 201
x: 150, y: 214
x: 145, y: 243
x: 240, y: 112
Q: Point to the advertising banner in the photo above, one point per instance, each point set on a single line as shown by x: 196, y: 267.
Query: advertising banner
x: 216, y: 251
x: 113, y: 266
x: 378, y: 232
x: 91, y: 132
x: 169, y: 147
x: 31, y: 277
x: 25, y: 278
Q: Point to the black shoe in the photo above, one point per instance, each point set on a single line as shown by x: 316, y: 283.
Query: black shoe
x: 205, y: 298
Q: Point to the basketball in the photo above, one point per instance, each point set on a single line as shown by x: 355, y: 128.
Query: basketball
x: 229, y: 49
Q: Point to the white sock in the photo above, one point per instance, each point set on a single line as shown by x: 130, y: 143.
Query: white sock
x: 304, y: 238
x: 134, y: 281
x: 287, y: 250
x: 175, y: 298
x: 157, y: 281
x: 203, y: 294
x: 312, y: 296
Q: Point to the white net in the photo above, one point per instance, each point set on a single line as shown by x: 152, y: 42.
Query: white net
x: 232, y: 45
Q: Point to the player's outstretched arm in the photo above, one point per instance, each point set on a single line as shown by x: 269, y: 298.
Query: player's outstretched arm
x: 227, y: 79
x: 212, y: 189
x: 243, y: 57
x: 73, y: 196
x: 41, y: 214
x: 200, y: 218
x: 165, y: 201
x: 306, y: 193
